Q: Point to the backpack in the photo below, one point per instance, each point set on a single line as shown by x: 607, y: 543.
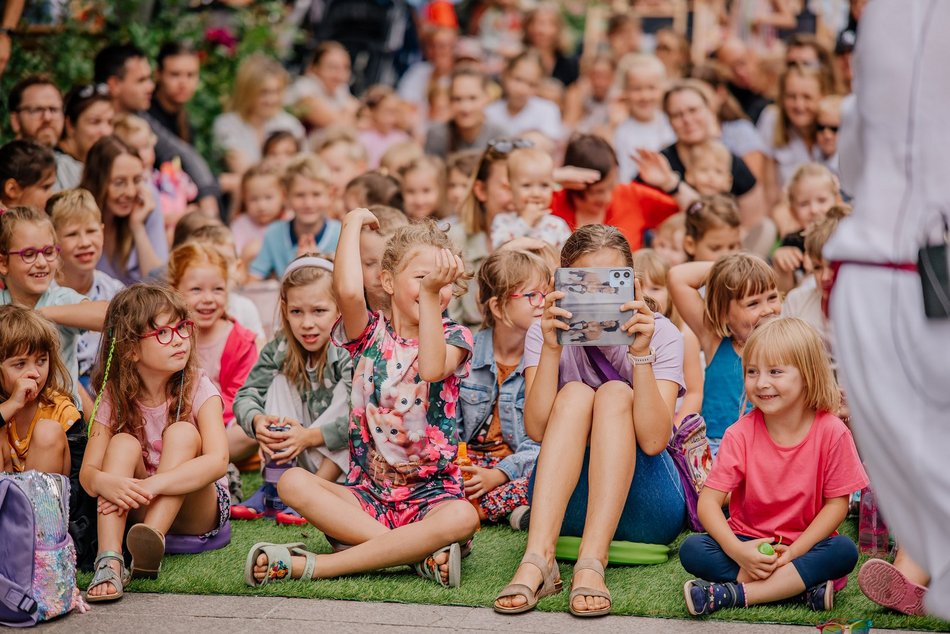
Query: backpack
x: 37, y: 556
x: 688, y: 447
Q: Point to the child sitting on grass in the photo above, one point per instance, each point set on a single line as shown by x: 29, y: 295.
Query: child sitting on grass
x: 790, y: 466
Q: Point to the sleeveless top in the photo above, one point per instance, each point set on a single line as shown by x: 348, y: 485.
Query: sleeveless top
x: 723, y: 389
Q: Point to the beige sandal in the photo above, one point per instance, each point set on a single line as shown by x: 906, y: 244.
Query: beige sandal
x: 596, y: 566
x: 551, y: 585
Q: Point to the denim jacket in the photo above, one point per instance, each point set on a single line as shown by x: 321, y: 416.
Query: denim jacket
x: 477, y: 395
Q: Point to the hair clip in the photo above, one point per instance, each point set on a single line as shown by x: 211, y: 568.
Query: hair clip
x: 694, y: 208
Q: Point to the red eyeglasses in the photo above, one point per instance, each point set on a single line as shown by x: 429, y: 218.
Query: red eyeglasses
x: 535, y: 298
x: 165, y: 334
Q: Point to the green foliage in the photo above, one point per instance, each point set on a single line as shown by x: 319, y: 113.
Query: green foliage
x: 222, y: 38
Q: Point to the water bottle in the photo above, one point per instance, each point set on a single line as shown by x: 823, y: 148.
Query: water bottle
x: 873, y: 537
x: 272, y: 472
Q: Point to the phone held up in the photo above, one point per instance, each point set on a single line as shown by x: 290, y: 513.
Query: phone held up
x: 594, y: 296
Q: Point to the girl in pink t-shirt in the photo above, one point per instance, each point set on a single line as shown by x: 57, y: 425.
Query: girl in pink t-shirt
x: 157, y: 451
x: 790, y: 466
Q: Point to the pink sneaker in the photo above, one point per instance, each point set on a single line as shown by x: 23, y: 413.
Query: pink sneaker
x: 884, y: 584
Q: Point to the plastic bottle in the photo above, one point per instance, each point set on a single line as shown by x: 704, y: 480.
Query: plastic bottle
x: 463, y: 460
x: 873, y: 537
x: 272, y: 472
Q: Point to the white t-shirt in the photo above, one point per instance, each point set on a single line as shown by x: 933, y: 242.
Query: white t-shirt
x: 633, y: 134
x: 538, y: 114
x: 234, y: 134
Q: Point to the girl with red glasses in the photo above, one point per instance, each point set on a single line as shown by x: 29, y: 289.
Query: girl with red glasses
x: 158, y: 450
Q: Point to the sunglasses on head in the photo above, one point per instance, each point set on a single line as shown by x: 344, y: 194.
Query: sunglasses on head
x: 504, y: 146
x: 89, y: 90
x: 842, y: 626
x: 821, y: 127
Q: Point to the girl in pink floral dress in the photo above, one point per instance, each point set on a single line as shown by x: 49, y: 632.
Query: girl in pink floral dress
x: 403, y: 497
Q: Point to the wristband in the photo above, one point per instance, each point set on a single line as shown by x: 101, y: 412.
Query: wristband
x: 649, y: 359
x: 6, y: 30
x: 676, y: 188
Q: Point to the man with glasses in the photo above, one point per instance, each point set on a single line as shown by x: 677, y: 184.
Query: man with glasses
x: 36, y: 110
x: 126, y: 71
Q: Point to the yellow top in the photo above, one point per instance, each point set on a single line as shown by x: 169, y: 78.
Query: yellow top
x: 62, y: 410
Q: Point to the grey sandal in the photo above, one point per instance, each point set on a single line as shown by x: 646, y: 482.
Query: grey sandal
x: 147, y: 547
x: 105, y: 574
x: 429, y: 569
x: 551, y: 584
x: 279, y: 558
x: 596, y: 566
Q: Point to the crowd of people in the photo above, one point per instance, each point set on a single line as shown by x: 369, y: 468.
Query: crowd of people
x: 408, y: 238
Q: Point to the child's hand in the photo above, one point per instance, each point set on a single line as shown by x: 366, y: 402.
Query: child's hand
x: 448, y: 268
x: 757, y: 565
x: 784, y: 555
x: 306, y: 244
x: 126, y: 493
x: 482, y: 481
x: 25, y: 390
x: 291, y: 442
x: 532, y: 213
x: 655, y: 170
x: 553, y: 320
x: 364, y: 216
x: 641, y: 325
x: 265, y: 437
x: 787, y: 259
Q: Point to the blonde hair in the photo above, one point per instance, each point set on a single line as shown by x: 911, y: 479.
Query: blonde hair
x: 340, y: 135
x: 71, y: 206
x: 818, y: 234
x: 433, y: 164
x: 669, y: 227
x: 192, y: 254
x: 399, y: 155
x: 711, y: 212
x: 791, y: 341
x: 711, y: 149
x: 501, y: 274
x: 408, y: 238
x: 389, y: 219
x: 648, y: 264
x: 24, y: 332
x: 127, y: 126
x: 132, y: 313
x: 734, y: 277
x: 783, y: 126
x: 811, y: 170
x: 249, y: 81
x: 307, y: 166
x: 14, y: 216
x: 522, y: 156
x: 639, y: 62
x: 295, y: 363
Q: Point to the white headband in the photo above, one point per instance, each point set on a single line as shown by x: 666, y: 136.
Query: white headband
x: 310, y: 260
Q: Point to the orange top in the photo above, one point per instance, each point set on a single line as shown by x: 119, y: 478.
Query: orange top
x: 62, y: 411
x: 633, y: 209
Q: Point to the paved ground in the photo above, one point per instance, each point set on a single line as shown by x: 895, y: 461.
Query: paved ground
x: 188, y: 614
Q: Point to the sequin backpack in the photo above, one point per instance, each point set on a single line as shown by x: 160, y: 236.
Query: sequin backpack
x: 37, y: 556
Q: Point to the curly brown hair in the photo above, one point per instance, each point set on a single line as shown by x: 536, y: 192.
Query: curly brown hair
x: 132, y: 313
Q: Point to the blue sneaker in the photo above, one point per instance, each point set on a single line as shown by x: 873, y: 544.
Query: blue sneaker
x: 821, y: 597
x: 703, y: 597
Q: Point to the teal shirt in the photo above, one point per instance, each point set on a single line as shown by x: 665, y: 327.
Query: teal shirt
x: 723, y: 390
x: 68, y: 337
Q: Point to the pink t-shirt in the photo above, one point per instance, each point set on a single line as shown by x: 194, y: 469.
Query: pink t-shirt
x: 156, y: 419
x: 777, y: 491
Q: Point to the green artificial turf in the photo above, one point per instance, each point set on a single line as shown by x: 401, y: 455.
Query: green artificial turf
x: 654, y: 591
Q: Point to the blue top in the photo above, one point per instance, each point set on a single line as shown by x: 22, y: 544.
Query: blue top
x: 477, y: 395
x: 723, y: 390
x: 279, y: 247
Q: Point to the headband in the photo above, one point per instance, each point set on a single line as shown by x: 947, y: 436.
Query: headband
x: 310, y: 260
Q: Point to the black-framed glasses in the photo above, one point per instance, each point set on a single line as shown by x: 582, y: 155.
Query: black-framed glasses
x: 89, y: 90
x: 53, y: 111
x: 50, y: 252
x: 843, y: 626
x: 535, y: 298
x: 821, y: 127
x: 506, y: 145
x: 184, y: 329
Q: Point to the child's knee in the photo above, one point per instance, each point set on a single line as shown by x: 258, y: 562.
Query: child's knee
x: 293, y: 483
x: 613, y: 393
x: 125, y: 445
x: 572, y: 398
x: 844, y: 550
x: 462, y: 521
x: 49, y: 435
x: 692, y: 551
x: 182, y: 434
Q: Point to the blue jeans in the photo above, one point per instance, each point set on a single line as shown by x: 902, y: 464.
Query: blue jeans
x: 655, y: 510
x: 831, y: 558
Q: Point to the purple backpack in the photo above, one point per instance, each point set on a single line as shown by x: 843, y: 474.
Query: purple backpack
x: 37, y: 555
x: 689, y: 446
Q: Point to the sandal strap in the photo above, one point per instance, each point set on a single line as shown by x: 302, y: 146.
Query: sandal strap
x: 589, y: 563
x: 547, y: 571
x: 519, y: 590
x: 106, y: 555
x: 309, y: 566
x: 105, y: 574
x: 584, y: 591
x: 429, y: 569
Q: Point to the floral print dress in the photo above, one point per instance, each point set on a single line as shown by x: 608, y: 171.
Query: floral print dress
x: 403, y: 431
